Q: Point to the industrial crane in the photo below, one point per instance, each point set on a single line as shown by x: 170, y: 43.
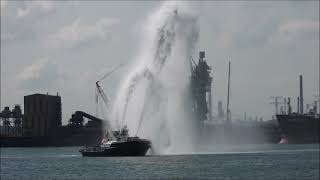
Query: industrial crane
x: 100, y: 93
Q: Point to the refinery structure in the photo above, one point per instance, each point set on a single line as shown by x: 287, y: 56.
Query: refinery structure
x: 201, y: 80
x: 41, y: 122
x: 221, y: 128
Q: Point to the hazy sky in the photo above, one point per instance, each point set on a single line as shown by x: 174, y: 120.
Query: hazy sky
x: 65, y: 46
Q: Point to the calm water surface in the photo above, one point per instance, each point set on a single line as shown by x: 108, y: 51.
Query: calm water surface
x: 234, y: 162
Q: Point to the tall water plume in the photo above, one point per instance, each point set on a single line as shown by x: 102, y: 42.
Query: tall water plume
x: 153, y: 100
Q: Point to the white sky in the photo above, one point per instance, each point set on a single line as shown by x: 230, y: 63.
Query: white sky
x: 65, y: 46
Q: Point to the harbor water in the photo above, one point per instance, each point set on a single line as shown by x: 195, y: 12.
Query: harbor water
x: 232, y: 162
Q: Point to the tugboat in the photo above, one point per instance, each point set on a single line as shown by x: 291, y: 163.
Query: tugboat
x: 118, y: 144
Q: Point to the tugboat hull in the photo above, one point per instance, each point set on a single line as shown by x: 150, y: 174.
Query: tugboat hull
x: 128, y: 148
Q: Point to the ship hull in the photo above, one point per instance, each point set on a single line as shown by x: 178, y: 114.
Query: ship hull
x: 299, y: 129
x: 128, y: 148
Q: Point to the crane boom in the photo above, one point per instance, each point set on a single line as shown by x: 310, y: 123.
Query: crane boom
x: 109, y: 73
x: 100, y: 91
x: 102, y: 94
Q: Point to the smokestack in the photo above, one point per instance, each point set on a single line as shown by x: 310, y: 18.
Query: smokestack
x: 285, y: 105
x: 289, y: 106
x: 301, y: 95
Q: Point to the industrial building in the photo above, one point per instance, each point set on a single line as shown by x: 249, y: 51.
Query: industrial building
x: 42, y: 115
x: 40, y: 125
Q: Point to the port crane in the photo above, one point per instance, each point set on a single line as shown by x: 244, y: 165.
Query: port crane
x: 77, y: 120
x: 101, y: 95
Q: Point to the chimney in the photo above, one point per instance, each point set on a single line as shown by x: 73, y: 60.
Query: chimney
x: 289, y: 106
x: 301, y: 95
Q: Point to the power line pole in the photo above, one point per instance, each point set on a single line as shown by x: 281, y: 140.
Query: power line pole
x: 276, y: 102
x: 0, y: 82
x: 228, y: 110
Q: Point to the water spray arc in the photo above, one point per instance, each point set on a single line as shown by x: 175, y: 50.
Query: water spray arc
x: 151, y: 99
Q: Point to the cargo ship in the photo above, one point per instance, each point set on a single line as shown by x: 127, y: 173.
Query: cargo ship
x: 299, y: 127
x: 118, y: 144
